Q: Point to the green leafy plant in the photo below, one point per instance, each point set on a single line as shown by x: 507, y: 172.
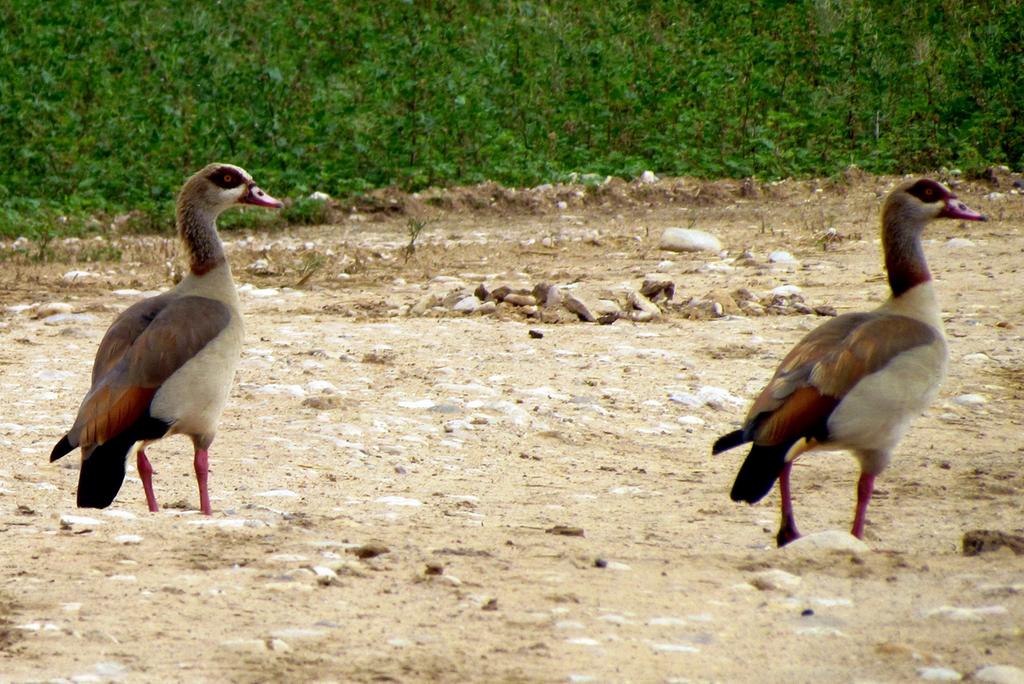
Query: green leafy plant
x: 107, y: 107
x: 414, y: 227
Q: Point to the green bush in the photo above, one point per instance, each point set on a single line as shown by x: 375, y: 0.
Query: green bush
x: 108, y: 105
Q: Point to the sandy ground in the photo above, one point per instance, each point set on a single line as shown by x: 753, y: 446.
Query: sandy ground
x: 529, y: 509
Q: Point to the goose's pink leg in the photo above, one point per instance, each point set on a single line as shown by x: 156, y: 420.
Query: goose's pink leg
x: 146, y: 475
x: 865, y: 487
x: 202, y: 464
x: 787, y: 529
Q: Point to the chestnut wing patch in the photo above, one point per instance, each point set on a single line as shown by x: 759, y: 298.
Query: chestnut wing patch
x: 120, y: 396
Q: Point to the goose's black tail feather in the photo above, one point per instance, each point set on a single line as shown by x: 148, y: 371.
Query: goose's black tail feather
x: 759, y: 472
x: 62, y: 448
x: 103, y: 466
x: 103, y: 473
x: 726, y: 442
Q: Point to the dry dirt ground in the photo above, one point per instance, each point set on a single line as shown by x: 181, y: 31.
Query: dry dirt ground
x: 447, y: 498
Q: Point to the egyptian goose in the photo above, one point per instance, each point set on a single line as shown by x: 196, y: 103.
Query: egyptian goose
x: 166, y: 364
x: 857, y: 381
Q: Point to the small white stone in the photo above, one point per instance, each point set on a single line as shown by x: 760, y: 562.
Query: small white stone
x: 781, y: 257
x: 68, y: 519
x: 689, y: 240
x: 1000, y: 674
x: 939, y: 674
x: 324, y: 571
x: 111, y: 670
x: 959, y: 243
x: 418, y: 403
x: 65, y: 318
x: 274, y: 388
x: 321, y: 387
x: 298, y: 633
x: 78, y: 276
x: 399, y: 501
x: 786, y: 290
x: 319, y: 196
x: 775, y: 579
x: 648, y: 177
x: 128, y: 539
x: 583, y: 641
x: 614, y: 618
x: 969, y: 400
x: 467, y: 304
x: 957, y: 614
x: 245, y: 645
x: 675, y: 648
x: 278, y: 493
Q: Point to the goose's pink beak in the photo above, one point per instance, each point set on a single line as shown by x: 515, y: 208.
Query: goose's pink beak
x: 255, y: 195
x: 955, y: 209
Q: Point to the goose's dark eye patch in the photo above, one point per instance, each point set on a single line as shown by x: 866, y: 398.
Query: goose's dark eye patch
x: 928, y: 191
x: 225, y: 178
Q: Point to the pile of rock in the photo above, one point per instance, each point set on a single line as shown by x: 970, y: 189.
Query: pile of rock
x: 784, y: 300
x: 650, y: 302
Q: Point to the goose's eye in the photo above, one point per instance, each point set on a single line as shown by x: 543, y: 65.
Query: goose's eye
x: 227, y: 177
x: 929, y: 192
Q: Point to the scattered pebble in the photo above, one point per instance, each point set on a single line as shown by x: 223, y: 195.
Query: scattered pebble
x: 1000, y: 674
x: 959, y: 243
x: 781, y: 257
x: 969, y: 400
x: 583, y: 641
x: 128, y: 539
x: 467, y: 304
x: 939, y: 674
x: 785, y: 291
x: 65, y: 318
x: 689, y: 240
x: 957, y: 614
x: 69, y: 520
x: 78, y: 276
x: 675, y: 648
x: 713, y: 397
x: 774, y: 579
x: 398, y: 501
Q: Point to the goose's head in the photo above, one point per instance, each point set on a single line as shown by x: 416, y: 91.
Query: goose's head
x: 915, y: 203
x: 220, y: 186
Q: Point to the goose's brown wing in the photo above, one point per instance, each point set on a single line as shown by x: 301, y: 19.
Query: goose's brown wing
x: 822, y: 369
x: 139, y: 354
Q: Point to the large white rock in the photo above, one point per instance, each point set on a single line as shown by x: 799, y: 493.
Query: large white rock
x: 689, y: 240
x: 829, y: 540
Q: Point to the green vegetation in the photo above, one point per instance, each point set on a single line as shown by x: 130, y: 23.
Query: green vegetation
x: 106, y: 106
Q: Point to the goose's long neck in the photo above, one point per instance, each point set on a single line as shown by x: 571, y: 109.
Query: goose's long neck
x: 198, y: 230
x: 904, y: 255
